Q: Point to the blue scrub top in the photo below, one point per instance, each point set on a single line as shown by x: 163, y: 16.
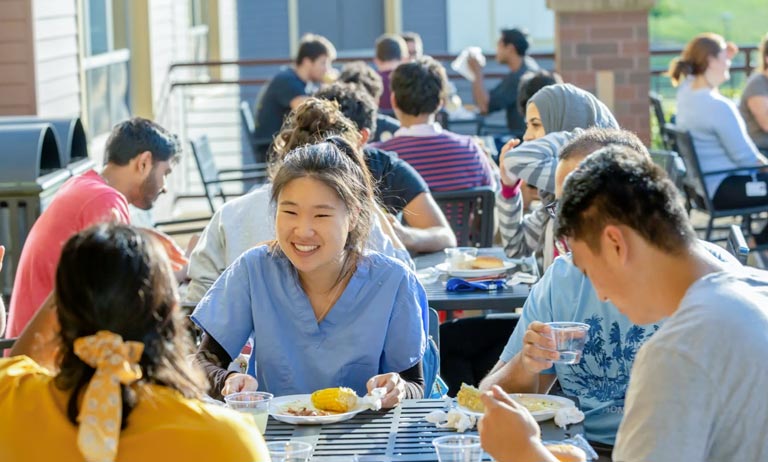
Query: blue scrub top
x: 378, y: 324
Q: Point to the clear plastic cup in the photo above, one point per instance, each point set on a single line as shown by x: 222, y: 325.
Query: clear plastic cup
x: 255, y: 403
x: 569, y: 338
x: 458, y: 448
x: 460, y: 257
x: 289, y: 451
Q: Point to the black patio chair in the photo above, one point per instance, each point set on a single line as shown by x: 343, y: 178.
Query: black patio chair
x: 212, y: 178
x: 259, y: 146
x: 470, y: 213
x: 671, y: 162
x: 6, y: 344
x: 737, y: 244
x: 695, y: 187
x: 658, y: 112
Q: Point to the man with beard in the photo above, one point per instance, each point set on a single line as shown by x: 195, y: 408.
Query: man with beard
x: 139, y: 155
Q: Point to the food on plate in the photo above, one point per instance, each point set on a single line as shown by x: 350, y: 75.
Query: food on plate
x: 566, y: 452
x: 487, y: 262
x: 469, y: 398
x: 300, y: 410
x: 536, y: 404
x: 339, y: 399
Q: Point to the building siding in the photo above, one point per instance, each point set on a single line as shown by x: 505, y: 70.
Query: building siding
x: 17, y: 65
x: 428, y: 18
x: 56, y: 59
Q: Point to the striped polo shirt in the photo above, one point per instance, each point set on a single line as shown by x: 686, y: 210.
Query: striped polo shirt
x: 447, y: 161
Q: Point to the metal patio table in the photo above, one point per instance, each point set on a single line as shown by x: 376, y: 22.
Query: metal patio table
x: 396, y: 435
x: 503, y: 300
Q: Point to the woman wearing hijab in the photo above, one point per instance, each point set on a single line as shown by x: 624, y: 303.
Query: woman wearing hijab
x: 554, y: 116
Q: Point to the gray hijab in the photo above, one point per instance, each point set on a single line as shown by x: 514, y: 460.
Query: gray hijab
x: 564, y: 107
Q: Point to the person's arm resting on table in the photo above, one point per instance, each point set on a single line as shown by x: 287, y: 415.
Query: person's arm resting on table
x: 428, y: 230
x: 524, y: 366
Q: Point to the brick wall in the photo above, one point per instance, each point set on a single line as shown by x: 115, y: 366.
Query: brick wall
x: 615, y: 41
x: 17, y: 58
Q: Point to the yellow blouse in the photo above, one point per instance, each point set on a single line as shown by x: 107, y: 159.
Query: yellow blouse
x: 164, y: 426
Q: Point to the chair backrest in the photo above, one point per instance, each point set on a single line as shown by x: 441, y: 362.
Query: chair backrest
x: 434, y: 386
x: 5, y: 344
x: 246, y: 120
x: 434, y: 326
x: 470, y: 213
x: 658, y: 112
x: 693, y: 184
x: 671, y: 162
x: 209, y: 173
x: 737, y: 245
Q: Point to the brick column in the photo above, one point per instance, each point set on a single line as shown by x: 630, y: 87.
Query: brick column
x: 602, y: 46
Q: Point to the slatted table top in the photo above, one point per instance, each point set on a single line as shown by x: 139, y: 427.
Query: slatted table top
x: 399, y: 434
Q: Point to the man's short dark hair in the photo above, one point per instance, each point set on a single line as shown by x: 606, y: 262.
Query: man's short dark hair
x: 391, y: 47
x: 517, y: 38
x: 354, y: 102
x: 620, y: 186
x: 135, y: 136
x: 594, y: 138
x: 419, y: 86
x: 313, y: 46
x: 359, y: 73
x: 531, y: 82
x: 414, y: 38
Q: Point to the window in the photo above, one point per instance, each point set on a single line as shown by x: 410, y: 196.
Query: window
x: 98, y: 22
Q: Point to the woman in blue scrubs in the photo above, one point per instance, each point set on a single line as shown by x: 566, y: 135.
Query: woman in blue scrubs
x: 321, y: 311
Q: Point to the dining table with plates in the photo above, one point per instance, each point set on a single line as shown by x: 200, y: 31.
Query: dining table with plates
x: 392, y: 435
x: 514, y: 280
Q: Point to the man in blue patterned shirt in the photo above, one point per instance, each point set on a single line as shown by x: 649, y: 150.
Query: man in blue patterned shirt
x: 600, y: 379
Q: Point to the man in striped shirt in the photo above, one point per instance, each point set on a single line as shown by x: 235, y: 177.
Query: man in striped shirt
x: 446, y: 160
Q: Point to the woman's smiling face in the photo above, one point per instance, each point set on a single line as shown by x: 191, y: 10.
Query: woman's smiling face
x: 312, y: 226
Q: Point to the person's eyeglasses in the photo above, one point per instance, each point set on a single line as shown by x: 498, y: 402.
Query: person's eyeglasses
x: 562, y: 246
x: 552, y: 209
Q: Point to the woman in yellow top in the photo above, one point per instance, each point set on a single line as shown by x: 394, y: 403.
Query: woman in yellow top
x: 124, y: 390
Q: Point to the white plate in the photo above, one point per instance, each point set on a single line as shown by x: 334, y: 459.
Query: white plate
x: 277, y: 410
x: 473, y: 273
x: 540, y: 416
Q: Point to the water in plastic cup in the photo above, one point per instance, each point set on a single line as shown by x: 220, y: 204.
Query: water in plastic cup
x: 289, y: 451
x: 458, y: 448
x: 255, y: 403
x: 569, y: 338
x: 460, y: 257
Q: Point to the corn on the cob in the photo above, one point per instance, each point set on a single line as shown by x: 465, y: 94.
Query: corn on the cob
x: 469, y: 397
x: 335, y: 399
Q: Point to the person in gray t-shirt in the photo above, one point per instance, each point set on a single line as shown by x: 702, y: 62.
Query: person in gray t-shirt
x: 697, y: 389
x: 754, y: 100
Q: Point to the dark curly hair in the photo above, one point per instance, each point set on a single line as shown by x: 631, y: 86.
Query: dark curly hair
x: 354, y: 102
x: 132, y: 137
x: 359, y: 73
x: 594, y: 138
x: 419, y: 86
x: 311, y: 122
x: 618, y: 185
x: 117, y: 278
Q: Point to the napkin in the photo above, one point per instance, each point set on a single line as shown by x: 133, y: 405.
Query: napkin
x: 454, y: 419
x: 568, y: 415
x: 372, y: 401
x: 462, y: 285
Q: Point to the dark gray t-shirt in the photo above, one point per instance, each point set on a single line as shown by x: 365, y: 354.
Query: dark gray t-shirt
x: 274, y: 102
x: 757, y: 85
x: 397, y: 182
x: 504, y: 96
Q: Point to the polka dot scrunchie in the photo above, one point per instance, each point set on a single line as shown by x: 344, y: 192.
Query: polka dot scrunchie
x: 115, y: 362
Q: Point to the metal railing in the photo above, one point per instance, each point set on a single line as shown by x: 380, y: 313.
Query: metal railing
x: 192, y: 104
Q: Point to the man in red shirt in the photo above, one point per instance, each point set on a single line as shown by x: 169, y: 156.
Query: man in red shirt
x: 139, y: 154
